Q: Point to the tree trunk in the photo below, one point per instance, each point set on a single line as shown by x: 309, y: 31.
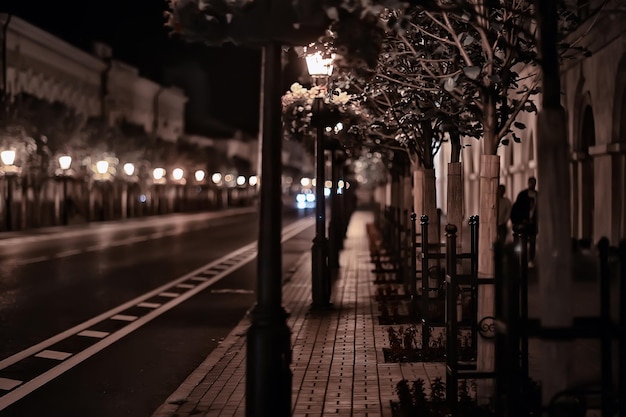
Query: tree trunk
x: 418, y: 192
x: 455, y: 199
x: 488, y: 218
x: 554, y: 256
x: 407, y: 191
x: 430, y: 206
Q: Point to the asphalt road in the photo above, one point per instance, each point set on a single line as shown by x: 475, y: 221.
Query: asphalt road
x: 109, y: 320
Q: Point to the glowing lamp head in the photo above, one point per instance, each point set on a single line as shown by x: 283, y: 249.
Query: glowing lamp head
x: 199, y: 175
x: 129, y: 169
x: 319, y: 66
x: 177, y: 174
x: 65, y: 161
x: 102, y: 167
x: 8, y: 156
x: 216, y: 178
x: 158, y: 173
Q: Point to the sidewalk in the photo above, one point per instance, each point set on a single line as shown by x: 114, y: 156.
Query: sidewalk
x: 338, y: 363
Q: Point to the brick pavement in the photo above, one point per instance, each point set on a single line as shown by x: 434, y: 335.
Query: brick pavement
x: 338, y: 364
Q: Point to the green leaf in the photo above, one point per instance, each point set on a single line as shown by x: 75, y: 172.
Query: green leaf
x: 472, y: 72
x: 449, y: 84
x: 468, y: 40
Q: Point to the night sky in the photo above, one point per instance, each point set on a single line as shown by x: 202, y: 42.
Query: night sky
x: 135, y: 30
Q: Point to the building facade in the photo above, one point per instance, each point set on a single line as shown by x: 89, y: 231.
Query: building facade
x: 92, y: 86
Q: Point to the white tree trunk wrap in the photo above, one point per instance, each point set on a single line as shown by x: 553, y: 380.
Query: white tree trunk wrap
x: 487, y: 233
x: 455, y: 200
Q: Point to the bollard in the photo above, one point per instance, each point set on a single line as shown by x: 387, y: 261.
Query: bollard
x: 424, y: 304
x: 451, y: 319
x: 413, y: 281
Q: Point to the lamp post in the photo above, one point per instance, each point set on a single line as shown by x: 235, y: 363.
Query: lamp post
x: 102, y: 169
x: 158, y: 177
x: 319, y: 68
x: 65, y: 161
x: 199, y: 176
x: 10, y: 171
x: 129, y: 171
x: 216, y: 179
x: 334, y: 237
x: 179, y: 180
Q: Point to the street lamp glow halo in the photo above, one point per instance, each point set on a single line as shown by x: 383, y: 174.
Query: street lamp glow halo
x: 318, y: 66
x: 8, y: 156
x: 177, y: 174
x: 129, y: 169
x: 102, y: 167
x: 199, y: 175
x: 158, y: 173
x: 65, y: 161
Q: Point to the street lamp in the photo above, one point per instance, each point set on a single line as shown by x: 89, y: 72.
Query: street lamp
x: 158, y: 176
x: 65, y: 161
x: 129, y: 171
x: 10, y: 170
x: 178, y: 177
x: 216, y: 179
x: 199, y: 176
x: 319, y: 68
x: 102, y: 171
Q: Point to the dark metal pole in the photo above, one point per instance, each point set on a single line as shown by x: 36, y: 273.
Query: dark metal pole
x: 333, y: 233
x: 319, y: 251
x: 268, y: 379
x: 9, y: 203
x: 64, y: 200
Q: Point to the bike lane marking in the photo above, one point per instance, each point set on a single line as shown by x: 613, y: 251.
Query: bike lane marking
x: 205, y: 276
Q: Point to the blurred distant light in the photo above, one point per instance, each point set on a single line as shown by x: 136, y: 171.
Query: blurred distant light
x: 326, y: 192
x: 305, y: 182
x: 300, y: 198
x: 310, y: 197
x: 102, y: 167
x: 65, y: 161
x: 241, y: 180
x: 216, y: 178
x: 199, y: 174
x: 328, y: 184
x: 340, y: 184
x: 229, y: 178
x: 8, y: 156
x: 177, y: 174
x: 252, y: 180
x: 314, y: 182
x: 129, y: 169
x: 158, y: 173
x: 142, y: 198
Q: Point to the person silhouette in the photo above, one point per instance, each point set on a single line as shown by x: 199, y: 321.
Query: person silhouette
x: 524, y: 212
x: 504, y: 213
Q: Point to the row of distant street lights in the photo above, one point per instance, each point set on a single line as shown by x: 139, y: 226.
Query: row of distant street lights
x: 103, y: 172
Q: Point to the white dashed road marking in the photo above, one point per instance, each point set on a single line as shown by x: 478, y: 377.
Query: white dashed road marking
x: 53, y: 354
x: 93, y: 333
x: 213, y: 272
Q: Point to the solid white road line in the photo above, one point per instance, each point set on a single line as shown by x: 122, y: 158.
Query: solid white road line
x: 23, y: 390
